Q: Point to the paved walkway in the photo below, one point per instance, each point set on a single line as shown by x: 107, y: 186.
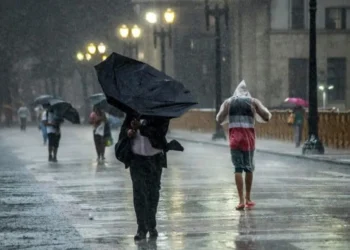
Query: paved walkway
x: 267, y: 146
x: 301, y: 205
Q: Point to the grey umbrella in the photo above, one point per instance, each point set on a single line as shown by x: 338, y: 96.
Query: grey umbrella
x: 43, y: 99
x: 99, y: 100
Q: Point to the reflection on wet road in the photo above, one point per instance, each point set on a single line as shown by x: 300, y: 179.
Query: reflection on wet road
x: 300, y: 204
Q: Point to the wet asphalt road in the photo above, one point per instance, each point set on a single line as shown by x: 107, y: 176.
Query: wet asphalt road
x: 300, y: 204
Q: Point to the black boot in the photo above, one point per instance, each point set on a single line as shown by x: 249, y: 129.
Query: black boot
x: 140, y: 235
x: 153, y: 233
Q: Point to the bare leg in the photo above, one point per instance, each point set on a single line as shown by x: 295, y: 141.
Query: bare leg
x: 248, y: 185
x: 239, y: 184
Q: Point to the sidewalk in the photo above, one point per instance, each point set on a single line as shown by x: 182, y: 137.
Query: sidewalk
x: 267, y: 146
x: 29, y: 218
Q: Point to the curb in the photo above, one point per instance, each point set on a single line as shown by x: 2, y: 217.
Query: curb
x: 265, y: 151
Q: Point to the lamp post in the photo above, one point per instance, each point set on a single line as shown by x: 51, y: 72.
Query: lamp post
x: 217, y: 12
x: 313, y: 145
x: 162, y: 33
x: 130, y: 39
x: 86, y: 59
x: 324, y: 89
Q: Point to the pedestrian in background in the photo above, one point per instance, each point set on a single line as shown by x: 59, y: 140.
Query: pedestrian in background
x: 240, y: 111
x: 298, y: 113
x: 23, y: 114
x: 53, y: 128
x: 98, y: 119
x: 42, y: 127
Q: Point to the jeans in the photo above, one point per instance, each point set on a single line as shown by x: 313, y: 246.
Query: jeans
x: 43, y: 132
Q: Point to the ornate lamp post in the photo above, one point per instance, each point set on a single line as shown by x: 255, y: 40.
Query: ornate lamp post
x: 313, y: 145
x: 217, y: 12
x: 130, y: 39
x: 162, y: 34
x: 86, y: 59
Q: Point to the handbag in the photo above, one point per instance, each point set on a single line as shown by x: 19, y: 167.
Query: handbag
x: 123, y: 151
x: 291, y: 119
x: 109, y: 141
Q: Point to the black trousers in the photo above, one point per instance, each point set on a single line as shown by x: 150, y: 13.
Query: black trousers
x: 146, y: 175
x: 100, y: 145
x: 23, y: 122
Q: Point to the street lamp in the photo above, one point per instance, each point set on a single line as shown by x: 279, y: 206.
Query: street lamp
x: 88, y: 57
x: 101, y: 48
x: 91, y: 55
x: 151, y: 17
x: 313, y: 145
x: 324, y: 89
x: 80, y: 56
x: 162, y: 34
x: 91, y: 48
x: 217, y: 12
x: 130, y: 37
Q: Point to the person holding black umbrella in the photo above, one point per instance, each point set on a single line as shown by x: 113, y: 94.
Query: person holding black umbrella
x: 149, y: 148
x: 53, y: 124
x: 149, y: 98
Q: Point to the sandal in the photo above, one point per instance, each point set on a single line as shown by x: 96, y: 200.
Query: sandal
x: 249, y: 204
x: 240, y: 207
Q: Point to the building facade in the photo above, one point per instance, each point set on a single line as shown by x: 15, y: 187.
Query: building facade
x: 267, y: 44
x: 271, y: 42
x: 191, y: 59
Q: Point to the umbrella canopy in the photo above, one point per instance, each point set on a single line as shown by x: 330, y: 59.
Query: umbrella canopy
x: 99, y: 100
x: 64, y: 110
x: 297, y: 101
x: 96, y: 99
x: 136, y: 87
x: 43, y: 99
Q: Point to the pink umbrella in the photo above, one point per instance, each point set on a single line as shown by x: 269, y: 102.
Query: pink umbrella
x: 297, y: 101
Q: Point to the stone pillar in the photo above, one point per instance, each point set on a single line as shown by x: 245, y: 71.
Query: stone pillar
x: 248, y: 44
x: 235, y: 44
x: 262, y: 11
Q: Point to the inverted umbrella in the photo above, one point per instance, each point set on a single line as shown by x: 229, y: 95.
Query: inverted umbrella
x: 297, y: 101
x: 136, y: 87
x: 43, y: 99
x: 64, y: 110
x: 99, y: 100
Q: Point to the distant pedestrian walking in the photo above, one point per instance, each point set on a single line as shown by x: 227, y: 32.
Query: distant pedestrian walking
x: 240, y: 111
x: 23, y: 114
x: 299, y: 113
x: 42, y: 126
x: 53, y: 127
x: 101, y: 131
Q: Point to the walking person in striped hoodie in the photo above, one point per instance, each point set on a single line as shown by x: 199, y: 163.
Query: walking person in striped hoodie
x: 240, y: 111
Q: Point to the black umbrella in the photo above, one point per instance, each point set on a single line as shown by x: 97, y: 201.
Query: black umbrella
x: 63, y: 109
x: 43, y: 99
x: 99, y: 100
x: 136, y: 87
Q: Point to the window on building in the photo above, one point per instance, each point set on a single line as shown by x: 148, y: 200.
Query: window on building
x: 336, y: 78
x: 336, y: 18
x: 298, y: 77
x: 297, y: 14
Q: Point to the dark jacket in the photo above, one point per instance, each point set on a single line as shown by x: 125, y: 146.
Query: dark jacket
x: 155, y: 129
